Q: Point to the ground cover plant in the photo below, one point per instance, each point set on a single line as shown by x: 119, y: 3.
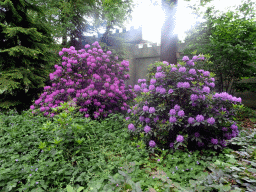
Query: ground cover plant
x: 110, y: 151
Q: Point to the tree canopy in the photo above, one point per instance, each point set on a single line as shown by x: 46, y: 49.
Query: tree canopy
x: 230, y: 41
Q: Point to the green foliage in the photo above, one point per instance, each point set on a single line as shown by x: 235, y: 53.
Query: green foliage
x: 113, y: 12
x: 66, y: 12
x: 231, y: 42
x: 26, y: 56
x: 107, y: 160
x: 118, y: 47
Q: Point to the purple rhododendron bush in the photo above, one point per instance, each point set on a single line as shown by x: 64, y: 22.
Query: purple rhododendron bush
x: 179, y: 108
x: 92, y: 79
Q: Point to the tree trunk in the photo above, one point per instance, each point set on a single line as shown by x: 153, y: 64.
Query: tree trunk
x: 168, y: 39
x: 104, y: 37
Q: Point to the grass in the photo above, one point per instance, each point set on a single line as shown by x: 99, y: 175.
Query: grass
x: 109, y: 160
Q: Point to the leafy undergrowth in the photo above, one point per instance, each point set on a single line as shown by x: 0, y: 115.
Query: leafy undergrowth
x: 110, y: 160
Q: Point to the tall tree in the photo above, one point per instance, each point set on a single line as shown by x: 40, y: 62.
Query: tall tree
x: 24, y: 55
x: 231, y: 42
x: 66, y: 13
x: 102, y: 11
x: 76, y: 33
x: 169, y: 40
x: 121, y: 11
x: 65, y: 16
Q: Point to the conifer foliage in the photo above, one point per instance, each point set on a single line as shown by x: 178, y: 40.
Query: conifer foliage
x: 26, y: 55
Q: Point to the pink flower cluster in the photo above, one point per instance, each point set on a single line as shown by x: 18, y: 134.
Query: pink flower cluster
x: 100, y: 83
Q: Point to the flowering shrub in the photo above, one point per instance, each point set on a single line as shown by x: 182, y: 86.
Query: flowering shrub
x: 178, y: 109
x: 92, y: 79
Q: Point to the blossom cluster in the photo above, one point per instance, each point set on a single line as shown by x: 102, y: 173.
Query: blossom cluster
x: 104, y: 83
x: 176, y: 113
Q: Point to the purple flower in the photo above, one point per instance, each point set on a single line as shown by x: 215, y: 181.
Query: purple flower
x: 162, y: 90
x: 172, y: 112
x: 136, y: 88
x: 192, y: 71
x: 227, y: 135
x: 131, y: 127
x: 171, y: 145
x: 152, y: 110
x: 102, y: 92
x: 177, y: 107
x: 145, y: 90
x: 181, y: 113
x: 214, y: 141
x: 234, y: 127
x: 158, y: 89
x: 174, y: 69
x: 172, y: 119
x: 145, y: 108
x: 185, y: 58
x: 156, y: 119
x: 127, y: 118
x: 234, y: 133
x: 96, y: 76
x: 206, y: 73
x: 212, y: 84
x: 158, y: 69
x: 194, y: 58
x: 197, y: 134
x: 165, y: 62
x: 224, y: 129
x: 151, y: 87
x: 190, y: 63
x: 106, y: 84
x: 147, y: 120
x: 223, y: 143
x: 179, y: 84
x: 186, y: 85
x: 143, y: 85
x: 193, y: 97
x: 159, y: 75
x: 142, y: 118
x: 147, y: 129
x: 152, y: 143
x: 152, y: 81
x: 182, y: 69
x: 199, y: 118
x: 202, y: 97
x: 206, y: 89
x: 201, y: 57
x: 170, y: 91
x: 191, y: 120
x: 180, y: 138
x: 211, y: 120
